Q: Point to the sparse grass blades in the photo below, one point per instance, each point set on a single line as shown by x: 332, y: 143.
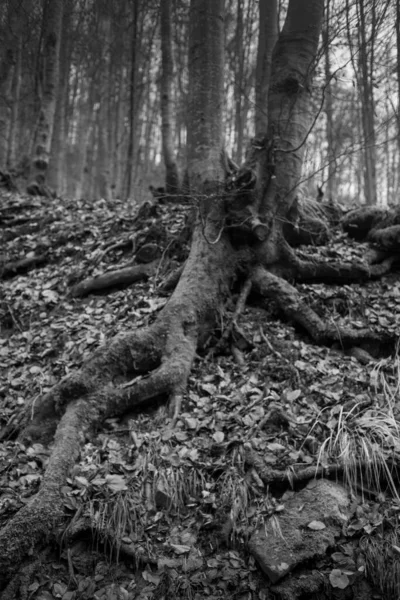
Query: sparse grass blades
x: 383, y: 564
x: 366, y: 446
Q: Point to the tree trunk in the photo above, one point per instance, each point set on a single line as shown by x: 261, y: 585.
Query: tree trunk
x: 267, y: 38
x: 398, y: 71
x: 57, y: 174
x: 332, y: 167
x: 9, y: 43
x: 129, y: 165
x: 167, y: 74
x: 239, y: 82
x: 367, y: 109
x: 50, y: 79
x: 289, y: 102
x: 16, y: 95
x: 206, y: 52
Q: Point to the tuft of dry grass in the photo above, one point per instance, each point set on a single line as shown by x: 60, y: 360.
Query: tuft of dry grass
x: 365, y: 442
x: 383, y: 564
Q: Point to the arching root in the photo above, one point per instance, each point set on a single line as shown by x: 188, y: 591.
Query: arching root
x: 290, y: 302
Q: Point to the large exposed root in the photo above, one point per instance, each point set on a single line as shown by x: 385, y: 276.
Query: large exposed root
x: 34, y: 523
x: 291, y: 303
x: 131, y: 371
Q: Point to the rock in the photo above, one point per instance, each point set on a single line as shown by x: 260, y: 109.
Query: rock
x: 303, y: 531
x: 147, y: 253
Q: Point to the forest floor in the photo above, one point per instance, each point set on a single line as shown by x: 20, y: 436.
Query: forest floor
x: 150, y: 508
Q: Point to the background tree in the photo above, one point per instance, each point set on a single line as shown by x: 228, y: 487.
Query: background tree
x: 167, y: 103
x: 48, y: 80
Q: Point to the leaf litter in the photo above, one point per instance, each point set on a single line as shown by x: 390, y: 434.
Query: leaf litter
x: 176, y: 506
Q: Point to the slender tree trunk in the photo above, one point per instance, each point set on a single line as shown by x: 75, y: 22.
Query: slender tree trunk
x: 171, y: 169
x: 50, y: 78
x: 103, y: 162
x: 239, y: 82
x: 332, y: 167
x: 367, y: 111
x: 16, y: 95
x: 57, y: 166
x: 119, y: 133
x: 398, y: 71
x: 132, y: 104
x: 9, y: 45
x: 267, y: 38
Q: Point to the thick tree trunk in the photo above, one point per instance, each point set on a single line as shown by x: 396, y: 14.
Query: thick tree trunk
x: 50, y: 78
x: 281, y: 159
x: 167, y: 74
x: 205, y: 135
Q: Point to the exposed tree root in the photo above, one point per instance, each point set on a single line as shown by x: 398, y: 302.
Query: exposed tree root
x: 290, y: 302
x: 131, y: 371
x: 339, y: 273
x: 270, y: 476
x: 22, y: 266
x: 114, y: 278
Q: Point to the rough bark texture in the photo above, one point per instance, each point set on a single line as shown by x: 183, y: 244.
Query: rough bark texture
x: 50, y: 76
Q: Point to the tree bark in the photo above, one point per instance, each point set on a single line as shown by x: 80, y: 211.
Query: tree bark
x: 16, y: 95
x: 50, y: 81
x: 332, y: 167
x: 167, y: 74
x: 205, y: 134
x: 267, y: 38
x: 367, y: 108
x: 9, y: 43
x: 129, y: 165
x: 289, y: 102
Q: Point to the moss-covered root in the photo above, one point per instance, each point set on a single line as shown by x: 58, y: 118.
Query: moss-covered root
x: 34, y: 523
x: 291, y: 303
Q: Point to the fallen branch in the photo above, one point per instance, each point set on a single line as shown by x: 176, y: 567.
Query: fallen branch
x: 114, y: 278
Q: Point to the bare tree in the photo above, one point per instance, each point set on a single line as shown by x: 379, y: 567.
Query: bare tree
x: 52, y: 20
x: 8, y: 62
x: 167, y: 74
